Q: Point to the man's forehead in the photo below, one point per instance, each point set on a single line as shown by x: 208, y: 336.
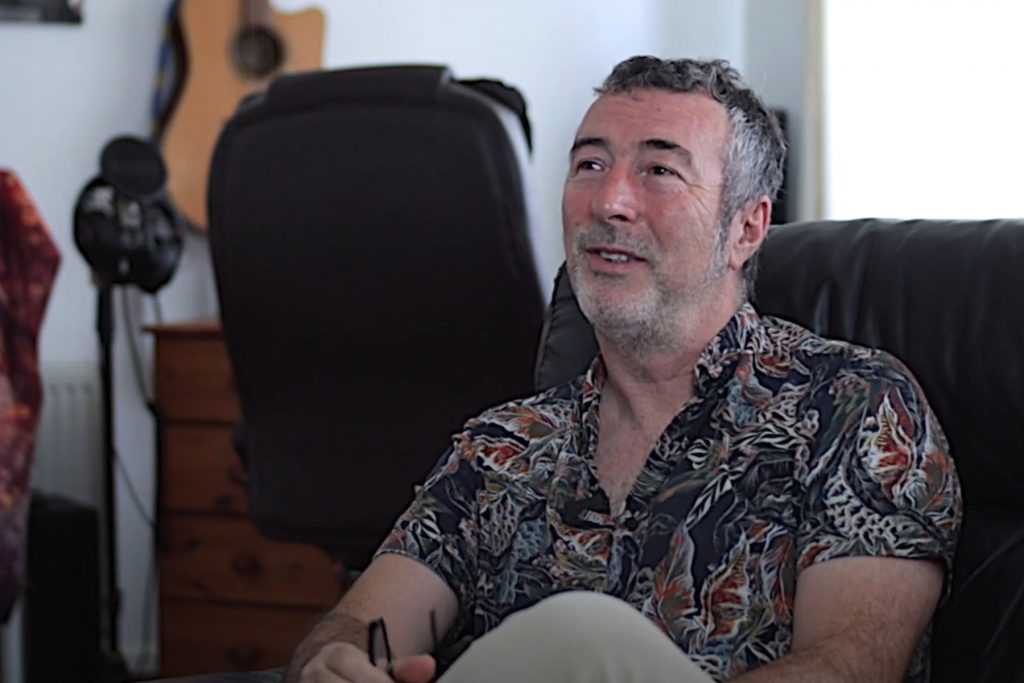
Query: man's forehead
x: 653, y: 114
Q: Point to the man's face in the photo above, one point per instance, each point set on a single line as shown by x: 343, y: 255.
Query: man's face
x: 641, y: 208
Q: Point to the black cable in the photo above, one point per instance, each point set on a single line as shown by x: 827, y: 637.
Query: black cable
x: 133, y: 493
x: 158, y: 310
x: 133, y: 346
x: 129, y: 326
x: 145, y: 658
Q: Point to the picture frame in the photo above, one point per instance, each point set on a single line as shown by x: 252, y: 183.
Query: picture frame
x: 35, y: 11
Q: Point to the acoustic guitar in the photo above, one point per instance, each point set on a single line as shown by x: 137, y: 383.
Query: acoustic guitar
x: 232, y: 48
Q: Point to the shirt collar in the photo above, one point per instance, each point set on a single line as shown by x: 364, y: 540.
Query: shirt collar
x: 725, y: 348
x: 722, y: 352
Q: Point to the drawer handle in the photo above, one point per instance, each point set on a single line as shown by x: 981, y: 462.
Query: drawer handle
x: 245, y: 655
x: 247, y: 564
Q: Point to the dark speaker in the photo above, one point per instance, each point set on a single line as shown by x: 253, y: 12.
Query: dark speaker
x: 62, y: 602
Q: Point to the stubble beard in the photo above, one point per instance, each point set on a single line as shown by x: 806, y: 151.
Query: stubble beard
x: 652, y: 321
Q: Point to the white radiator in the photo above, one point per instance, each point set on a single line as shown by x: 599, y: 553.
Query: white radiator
x: 68, y: 461
x: 69, y: 443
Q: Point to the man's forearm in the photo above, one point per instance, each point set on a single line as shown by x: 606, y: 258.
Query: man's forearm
x: 835, y: 662
x: 335, y: 627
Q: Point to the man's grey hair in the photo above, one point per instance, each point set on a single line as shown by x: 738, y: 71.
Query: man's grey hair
x: 753, y: 163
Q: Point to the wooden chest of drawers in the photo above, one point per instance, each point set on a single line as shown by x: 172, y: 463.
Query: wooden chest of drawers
x: 230, y: 599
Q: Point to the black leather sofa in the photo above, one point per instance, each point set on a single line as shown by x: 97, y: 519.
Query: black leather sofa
x: 946, y: 297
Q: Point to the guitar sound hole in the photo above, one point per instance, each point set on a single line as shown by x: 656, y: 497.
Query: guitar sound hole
x: 257, y: 52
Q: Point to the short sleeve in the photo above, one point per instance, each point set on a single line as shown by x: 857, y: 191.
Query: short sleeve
x: 439, y: 528
x: 880, y: 481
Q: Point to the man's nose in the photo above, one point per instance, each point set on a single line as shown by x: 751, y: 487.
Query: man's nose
x: 617, y: 197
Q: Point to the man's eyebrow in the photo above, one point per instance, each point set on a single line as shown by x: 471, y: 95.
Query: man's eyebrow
x: 588, y: 142
x: 668, y: 145
x: 653, y: 143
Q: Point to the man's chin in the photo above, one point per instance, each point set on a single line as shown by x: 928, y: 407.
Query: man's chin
x: 632, y: 337
x: 608, y: 314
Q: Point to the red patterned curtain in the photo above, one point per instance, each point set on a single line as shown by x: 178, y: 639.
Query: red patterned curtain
x: 28, y: 264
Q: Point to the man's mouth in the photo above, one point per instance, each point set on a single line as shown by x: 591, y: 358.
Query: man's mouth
x: 615, y: 255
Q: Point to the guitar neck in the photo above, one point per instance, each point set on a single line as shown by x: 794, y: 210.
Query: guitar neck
x: 256, y: 13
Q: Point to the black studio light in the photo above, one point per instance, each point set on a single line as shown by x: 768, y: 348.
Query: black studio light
x: 125, y: 226
x: 129, y: 233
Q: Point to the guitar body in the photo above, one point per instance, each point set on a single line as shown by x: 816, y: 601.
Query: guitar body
x: 215, y: 84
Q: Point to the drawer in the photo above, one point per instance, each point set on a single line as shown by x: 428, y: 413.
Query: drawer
x: 225, y: 558
x: 200, y: 471
x: 210, y: 638
x: 194, y: 380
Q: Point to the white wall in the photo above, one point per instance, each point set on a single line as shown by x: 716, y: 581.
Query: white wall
x: 66, y: 90
x: 776, y: 64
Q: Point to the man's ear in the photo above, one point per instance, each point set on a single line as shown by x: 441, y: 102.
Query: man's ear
x: 749, y: 228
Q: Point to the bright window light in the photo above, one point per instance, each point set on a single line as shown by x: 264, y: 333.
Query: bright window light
x: 924, y: 109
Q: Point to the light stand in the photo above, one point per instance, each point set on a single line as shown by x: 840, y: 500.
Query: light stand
x: 130, y: 234
x: 112, y: 667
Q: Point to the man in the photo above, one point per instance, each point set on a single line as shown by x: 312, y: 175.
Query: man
x: 760, y: 504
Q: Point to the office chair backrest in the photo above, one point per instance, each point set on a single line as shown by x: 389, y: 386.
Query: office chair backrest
x: 946, y: 298
x: 377, y: 286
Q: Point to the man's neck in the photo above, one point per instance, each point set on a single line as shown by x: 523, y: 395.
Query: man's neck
x: 648, y: 389
x: 642, y: 391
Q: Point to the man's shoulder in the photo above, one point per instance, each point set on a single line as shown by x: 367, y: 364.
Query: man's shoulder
x: 523, y: 424
x: 831, y: 358
x: 852, y: 385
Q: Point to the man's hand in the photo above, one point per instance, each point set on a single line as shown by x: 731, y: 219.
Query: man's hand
x: 403, y: 593
x: 347, y: 663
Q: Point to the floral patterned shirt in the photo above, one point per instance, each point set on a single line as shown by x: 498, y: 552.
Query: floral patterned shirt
x: 795, y: 450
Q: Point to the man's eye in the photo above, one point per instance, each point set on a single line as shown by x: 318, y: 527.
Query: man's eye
x: 588, y: 165
x: 657, y: 170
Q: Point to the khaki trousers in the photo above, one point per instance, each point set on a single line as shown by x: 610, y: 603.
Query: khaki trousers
x: 575, y: 637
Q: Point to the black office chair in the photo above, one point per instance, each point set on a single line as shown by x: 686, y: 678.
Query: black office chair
x: 377, y: 286
x: 945, y: 297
